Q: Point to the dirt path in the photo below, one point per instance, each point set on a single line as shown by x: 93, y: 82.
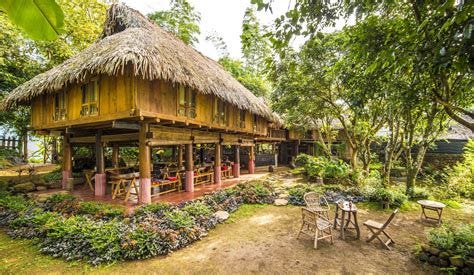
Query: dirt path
x: 265, y: 242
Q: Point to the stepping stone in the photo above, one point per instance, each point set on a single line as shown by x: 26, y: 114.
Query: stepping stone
x: 221, y: 215
x: 280, y: 202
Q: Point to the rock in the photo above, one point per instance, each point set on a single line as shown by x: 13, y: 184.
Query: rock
x: 443, y: 262
x: 434, y: 260
x: 39, y: 181
x: 433, y: 250
x: 444, y: 255
x: 456, y: 261
x: 280, y: 202
x: 425, y: 247
x: 24, y: 187
x: 41, y: 188
x: 221, y: 215
x: 423, y: 256
x: 43, y: 197
x: 283, y: 196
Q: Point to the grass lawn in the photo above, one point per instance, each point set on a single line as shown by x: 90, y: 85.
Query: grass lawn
x: 259, y: 239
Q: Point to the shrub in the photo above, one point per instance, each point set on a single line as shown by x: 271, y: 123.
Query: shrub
x: 296, y: 194
x: 15, y: 203
x: 256, y: 192
x: 62, y: 203
x: 197, y: 208
x: 156, y: 209
x: 179, y: 219
x: 302, y: 159
x: 53, y: 177
x: 100, y: 210
x: 456, y: 238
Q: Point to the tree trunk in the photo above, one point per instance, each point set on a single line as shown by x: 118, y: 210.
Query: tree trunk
x: 54, y: 150
x: 353, y: 157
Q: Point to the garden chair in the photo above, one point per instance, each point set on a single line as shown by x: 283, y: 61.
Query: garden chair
x: 313, y: 202
x: 315, y: 224
x: 377, y: 228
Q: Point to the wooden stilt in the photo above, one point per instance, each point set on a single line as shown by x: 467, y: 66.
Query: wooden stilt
x: 252, y: 160
x: 217, y: 163
x: 115, y: 155
x: 100, y: 181
x: 180, y: 156
x: 145, y: 165
x: 236, y: 166
x: 188, y: 152
x: 67, y: 161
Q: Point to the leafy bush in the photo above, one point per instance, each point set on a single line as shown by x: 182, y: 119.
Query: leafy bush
x: 197, y: 208
x: 296, y: 194
x: 256, y: 192
x: 100, y: 210
x: 15, y: 203
x: 456, y: 238
x: 316, y: 167
x: 54, y: 176
x: 179, y: 219
x: 157, y: 209
x: 302, y: 159
x: 62, y: 203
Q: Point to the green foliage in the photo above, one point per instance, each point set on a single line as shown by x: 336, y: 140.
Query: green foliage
x: 179, y: 219
x: 302, y: 159
x: 98, y: 209
x: 460, y: 178
x: 197, y: 208
x: 15, y: 203
x: 53, y: 176
x: 155, y: 208
x: 41, y: 20
x: 456, y: 238
x: 258, y: 85
x: 181, y: 20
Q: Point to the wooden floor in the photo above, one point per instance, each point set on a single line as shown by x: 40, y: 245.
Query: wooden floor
x: 83, y: 192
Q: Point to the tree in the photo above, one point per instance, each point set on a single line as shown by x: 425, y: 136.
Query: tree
x: 438, y: 35
x: 181, y: 20
x: 41, y: 20
x: 21, y: 58
x: 255, y: 45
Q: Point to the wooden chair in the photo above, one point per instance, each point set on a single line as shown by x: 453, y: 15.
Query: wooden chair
x: 172, y: 183
x: 376, y: 228
x: 315, y: 225
x: 89, y: 175
x: 313, y: 202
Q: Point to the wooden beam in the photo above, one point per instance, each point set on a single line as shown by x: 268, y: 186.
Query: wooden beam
x: 106, y: 138
x: 144, y: 164
x: 125, y: 125
x: 161, y: 142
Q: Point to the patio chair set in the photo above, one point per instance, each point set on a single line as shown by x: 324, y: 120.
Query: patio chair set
x: 316, y: 222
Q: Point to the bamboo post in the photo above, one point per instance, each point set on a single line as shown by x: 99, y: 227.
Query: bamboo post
x: 145, y: 165
x: 275, y: 153
x: 100, y: 180
x: 67, y: 161
x: 217, y: 163
x: 180, y: 156
x: 236, y: 166
x: 251, y: 160
x: 189, y: 174
x: 115, y: 155
x: 54, y: 150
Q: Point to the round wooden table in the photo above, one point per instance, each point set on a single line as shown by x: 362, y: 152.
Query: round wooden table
x: 433, y: 206
x: 348, y: 216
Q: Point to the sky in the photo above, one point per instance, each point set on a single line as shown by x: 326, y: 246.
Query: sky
x: 223, y: 17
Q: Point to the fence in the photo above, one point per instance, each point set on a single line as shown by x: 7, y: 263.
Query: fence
x: 11, y: 143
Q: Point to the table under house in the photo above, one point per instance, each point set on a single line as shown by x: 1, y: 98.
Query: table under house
x: 197, y: 159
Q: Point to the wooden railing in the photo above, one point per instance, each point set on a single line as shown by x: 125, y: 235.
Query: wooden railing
x: 9, y: 143
x: 277, y: 133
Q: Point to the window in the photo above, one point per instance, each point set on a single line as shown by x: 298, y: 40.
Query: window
x: 59, y: 105
x: 242, y: 118
x: 255, y: 121
x: 220, y: 112
x: 186, y: 102
x: 90, y: 98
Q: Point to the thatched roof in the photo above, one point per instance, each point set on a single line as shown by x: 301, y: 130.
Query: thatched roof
x: 129, y: 38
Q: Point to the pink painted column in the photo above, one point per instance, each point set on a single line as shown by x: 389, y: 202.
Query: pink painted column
x: 251, y: 160
x: 217, y: 164
x: 100, y: 180
x: 236, y: 165
x: 145, y: 190
x: 188, y: 156
x: 100, y: 185
x: 144, y: 165
x: 67, y: 161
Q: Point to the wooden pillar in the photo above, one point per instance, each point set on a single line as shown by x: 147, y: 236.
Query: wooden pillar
x: 54, y: 149
x: 67, y: 161
x: 144, y: 157
x: 13, y: 143
x: 115, y: 155
x: 275, y: 153
x: 252, y: 160
x: 180, y: 156
x: 236, y: 166
x: 217, y: 163
x: 100, y: 181
x: 201, y: 154
x: 189, y: 174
